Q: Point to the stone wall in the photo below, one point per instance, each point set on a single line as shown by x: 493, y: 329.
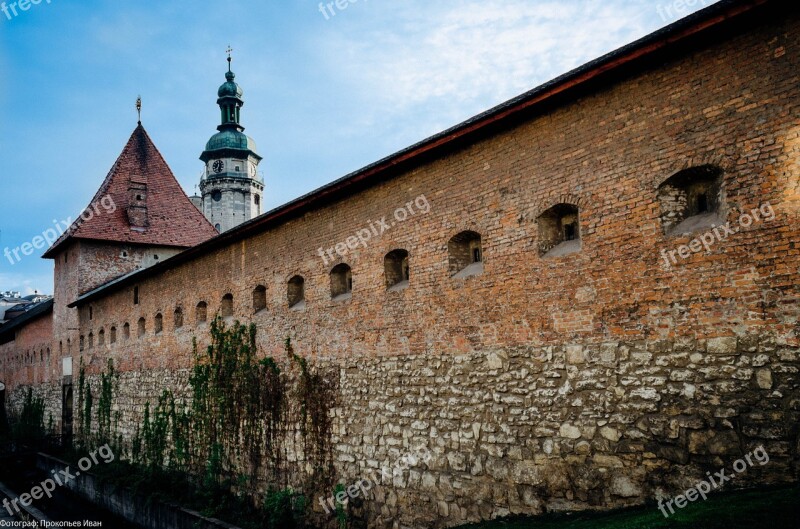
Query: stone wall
x: 50, y: 393
x: 540, y: 429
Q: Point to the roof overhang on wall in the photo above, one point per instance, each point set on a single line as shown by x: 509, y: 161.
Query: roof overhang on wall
x: 675, y: 39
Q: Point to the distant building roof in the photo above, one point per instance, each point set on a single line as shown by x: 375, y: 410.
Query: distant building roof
x: 140, y: 173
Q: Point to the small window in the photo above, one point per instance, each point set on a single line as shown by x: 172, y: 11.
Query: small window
x: 216, y: 196
x: 126, y: 331
x: 395, y: 266
x: 91, y: 313
x: 159, y: 323
x: 135, y: 295
x: 559, y: 231
x: 112, y: 335
x: 201, y: 313
x: 226, y: 308
x: 218, y: 227
x: 141, y: 328
x: 259, y: 298
x: 101, y: 337
x: 691, y: 200
x: 466, y: 254
x: 341, y: 282
x: 178, y: 318
x: 91, y: 341
x: 296, y: 292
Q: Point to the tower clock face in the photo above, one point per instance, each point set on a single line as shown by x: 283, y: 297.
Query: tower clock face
x: 218, y: 166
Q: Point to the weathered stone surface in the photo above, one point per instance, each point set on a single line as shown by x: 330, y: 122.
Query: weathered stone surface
x: 764, y: 378
x: 721, y: 346
x: 569, y: 431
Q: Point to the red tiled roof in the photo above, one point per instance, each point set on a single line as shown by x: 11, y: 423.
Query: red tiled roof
x: 172, y: 218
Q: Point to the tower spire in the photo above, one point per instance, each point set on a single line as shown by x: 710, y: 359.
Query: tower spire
x: 231, y: 161
x: 139, y: 108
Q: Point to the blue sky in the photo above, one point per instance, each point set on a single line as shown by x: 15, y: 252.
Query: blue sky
x: 323, y: 96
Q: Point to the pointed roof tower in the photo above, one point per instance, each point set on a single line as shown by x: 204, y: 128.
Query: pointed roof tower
x: 139, y: 202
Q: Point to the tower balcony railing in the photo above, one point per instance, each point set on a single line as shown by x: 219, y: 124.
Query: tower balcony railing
x: 235, y: 174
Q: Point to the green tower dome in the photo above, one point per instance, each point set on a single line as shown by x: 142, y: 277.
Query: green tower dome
x: 230, y: 88
x: 231, y: 139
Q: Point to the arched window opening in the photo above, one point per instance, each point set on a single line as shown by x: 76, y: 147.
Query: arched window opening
x: 559, y: 231
x: 691, y: 199
x: 101, y: 337
x: 112, y: 335
x: 466, y: 254
x: 396, y: 269
x: 341, y: 282
x: 259, y: 298
x: 296, y: 292
x: 227, y: 306
x: 159, y: 323
x: 201, y: 313
x: 178, y: 317
x: 141, y: 328
x: 126, y: 331
x: 91, y: 340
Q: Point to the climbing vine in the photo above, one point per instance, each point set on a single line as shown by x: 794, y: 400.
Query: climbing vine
x: 30, y: 427
x: 104, y: 403
x: 316, y: 394
x: 230, y: 431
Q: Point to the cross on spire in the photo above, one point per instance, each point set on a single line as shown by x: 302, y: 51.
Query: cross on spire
x: 229, y: 51
x: 139, y: 108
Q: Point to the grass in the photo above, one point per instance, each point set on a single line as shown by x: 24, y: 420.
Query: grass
x: 774, y: 508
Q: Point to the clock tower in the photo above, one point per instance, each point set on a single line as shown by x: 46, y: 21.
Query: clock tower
x: 231, y: 188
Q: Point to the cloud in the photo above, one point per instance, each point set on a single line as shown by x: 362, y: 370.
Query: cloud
x: 467, y: 56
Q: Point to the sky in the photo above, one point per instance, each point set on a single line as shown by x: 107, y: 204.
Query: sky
x: 328, y: 88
